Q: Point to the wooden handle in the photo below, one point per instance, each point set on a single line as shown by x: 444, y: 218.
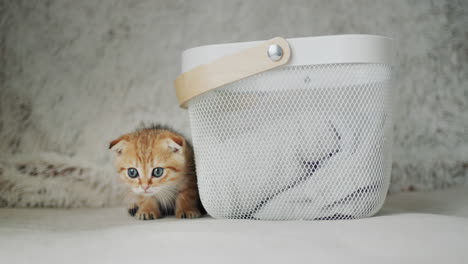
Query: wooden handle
x: 229, y: 69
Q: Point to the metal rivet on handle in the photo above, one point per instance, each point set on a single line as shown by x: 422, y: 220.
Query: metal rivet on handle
x: 275, y: 52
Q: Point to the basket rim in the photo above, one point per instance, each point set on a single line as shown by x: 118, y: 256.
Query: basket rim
x: 332, y: 49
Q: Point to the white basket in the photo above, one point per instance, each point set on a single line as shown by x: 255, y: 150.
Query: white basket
x: 310, y: 139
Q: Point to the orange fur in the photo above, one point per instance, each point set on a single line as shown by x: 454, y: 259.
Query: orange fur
x: 150, y: 148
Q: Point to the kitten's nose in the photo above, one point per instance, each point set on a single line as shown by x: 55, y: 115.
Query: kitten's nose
x: 145, y: 187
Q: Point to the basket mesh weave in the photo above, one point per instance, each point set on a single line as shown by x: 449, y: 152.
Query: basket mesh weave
x: 303, y: 142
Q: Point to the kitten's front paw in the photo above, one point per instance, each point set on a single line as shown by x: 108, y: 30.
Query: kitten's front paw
x: 147, y: 215
x: 132, y: 210
x: 192, y: 213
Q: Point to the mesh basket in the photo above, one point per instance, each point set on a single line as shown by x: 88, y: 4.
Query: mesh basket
x: 308, y: 142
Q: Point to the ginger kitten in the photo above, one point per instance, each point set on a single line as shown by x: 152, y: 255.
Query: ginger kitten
x: 157, y: 165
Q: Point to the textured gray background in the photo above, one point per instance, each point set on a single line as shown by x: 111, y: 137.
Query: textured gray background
x: 76, y: 74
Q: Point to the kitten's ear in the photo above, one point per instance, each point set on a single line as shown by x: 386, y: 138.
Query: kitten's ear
x: 175, y: 143
x: 118, y: 145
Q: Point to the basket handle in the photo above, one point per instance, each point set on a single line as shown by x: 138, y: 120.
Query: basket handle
x: 229, y: 69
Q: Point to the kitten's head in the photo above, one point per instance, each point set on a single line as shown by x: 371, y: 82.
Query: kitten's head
x: 150, y: 160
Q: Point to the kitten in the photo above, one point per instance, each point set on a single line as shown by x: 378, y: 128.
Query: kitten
x: 157, y: 165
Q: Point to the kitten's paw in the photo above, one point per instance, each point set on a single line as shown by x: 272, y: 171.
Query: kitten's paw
x: 132, y: 210
x: 147, y: 215
x: 192, y: 213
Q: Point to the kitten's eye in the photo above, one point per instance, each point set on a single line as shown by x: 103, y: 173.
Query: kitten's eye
x: 132, y: 173
x: 157, y: 172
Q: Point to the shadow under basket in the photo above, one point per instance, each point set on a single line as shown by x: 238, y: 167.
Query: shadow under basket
x: 306, y: 137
